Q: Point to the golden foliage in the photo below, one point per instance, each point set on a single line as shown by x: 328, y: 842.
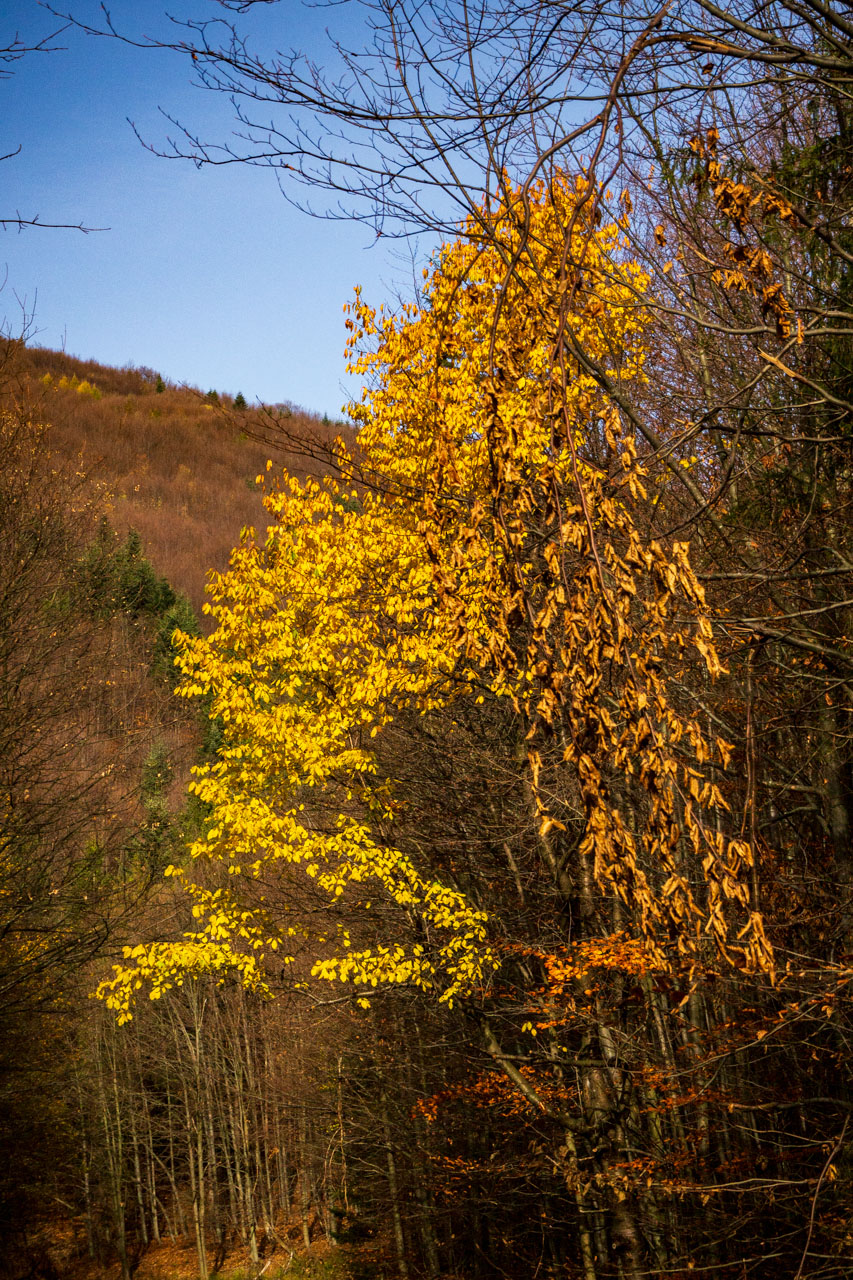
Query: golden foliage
x: 495, y: 553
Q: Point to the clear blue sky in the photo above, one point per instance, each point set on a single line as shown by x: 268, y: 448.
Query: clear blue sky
x: 207, y: 276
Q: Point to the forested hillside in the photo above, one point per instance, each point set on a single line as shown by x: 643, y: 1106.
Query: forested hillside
x: 507, y: 928
x: 106, y: 473
x: 177, y: 464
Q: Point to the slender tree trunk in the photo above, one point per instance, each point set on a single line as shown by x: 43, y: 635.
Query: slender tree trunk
x: 114, y: 1151
x: 180, y: 1220
x: 393, y: 1188
x: 85, y: 1159
x: 195, y: 1162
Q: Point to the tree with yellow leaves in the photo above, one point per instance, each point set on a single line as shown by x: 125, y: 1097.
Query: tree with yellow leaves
x: 485, y: 545
x: 498, y: 557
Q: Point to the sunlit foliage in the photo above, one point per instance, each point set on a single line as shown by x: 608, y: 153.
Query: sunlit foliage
x: 482, y: 544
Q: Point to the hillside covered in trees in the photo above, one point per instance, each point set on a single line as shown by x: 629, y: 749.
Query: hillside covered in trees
x: 505, y: 929
x: 175, y: 464
x: 118, y: 494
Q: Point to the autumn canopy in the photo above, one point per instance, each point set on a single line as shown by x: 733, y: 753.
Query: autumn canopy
x: 484, y: 542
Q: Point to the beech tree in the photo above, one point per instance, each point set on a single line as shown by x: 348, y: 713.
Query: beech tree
x: 499, y: 559
x: 455, y: 577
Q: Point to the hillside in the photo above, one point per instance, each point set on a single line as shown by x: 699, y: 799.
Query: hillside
x: 96, y: 750
x: 176, y: 464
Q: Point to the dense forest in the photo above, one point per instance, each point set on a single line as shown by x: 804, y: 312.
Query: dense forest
x: 505, y: 925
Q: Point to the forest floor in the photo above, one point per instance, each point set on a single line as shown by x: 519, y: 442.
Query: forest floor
x: 179, y: 1261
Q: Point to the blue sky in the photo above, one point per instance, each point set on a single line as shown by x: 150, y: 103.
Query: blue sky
x: 208, y: 276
